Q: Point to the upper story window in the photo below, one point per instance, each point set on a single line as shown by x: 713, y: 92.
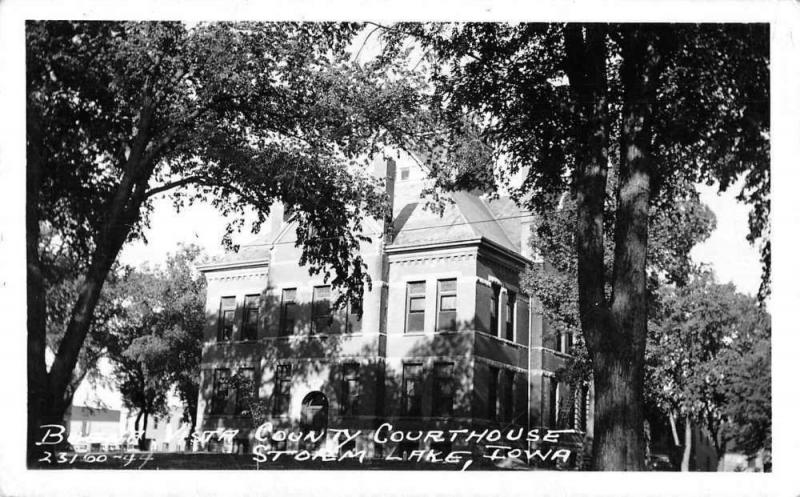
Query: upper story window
x: 511, y: 303
x: 250, y: 318
x: 227, y: 310
x: 564, y: 342
x: 494, y: 311
x: 280, y: 395
x: 415, y: 306
x: 288, y: 311
x: 321, y: 314
x: 353, y: 320
x: 443, y: 389
x: 404, y: 173
x: 220, y: 390
x: 350, y: 390
x: 412, y: 389
x: 446, y: 300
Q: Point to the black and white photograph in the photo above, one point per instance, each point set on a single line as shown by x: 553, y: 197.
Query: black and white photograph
x: 291, y: 248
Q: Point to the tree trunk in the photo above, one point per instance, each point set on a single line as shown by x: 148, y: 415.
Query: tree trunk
x: 616, y: 334
x: 618, y: 445
x: 143, y: 445
x: 674, y: 429
x: 37, y: 310
x: 48, y: 396
x: 617, y: 358
x: 687, y: 445
x: 136, y: 423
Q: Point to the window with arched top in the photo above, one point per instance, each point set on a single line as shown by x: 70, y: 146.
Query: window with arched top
x: 314, y: 412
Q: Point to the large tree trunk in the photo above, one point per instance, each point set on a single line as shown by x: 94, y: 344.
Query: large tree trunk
x: 616, y: 332
x: 37, y: 312
x: 619, y: 424
x: 619, y: 364
x: 49, y: 393
x: 586, y: 68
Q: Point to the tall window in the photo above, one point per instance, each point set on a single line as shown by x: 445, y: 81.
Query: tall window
x: 494, y: 311
x: 288, y: 311
x: 511, y: 301
x: 443, y: 389
x: 554, y: 400
x: 508, y: 397
x: 250, y: 318
x: 491, y: 403
x: 221, y: 391
x: 280, y: 396
x: 353, y: 320
x: 227, y: 309
x: 245, y: 389
x: 446, y: 297
x: 583, y: 407
x: 412, y: 389
x: 415, y: 306
x: 564, y: 342
x: 350, y: 390
x: 321, y: 315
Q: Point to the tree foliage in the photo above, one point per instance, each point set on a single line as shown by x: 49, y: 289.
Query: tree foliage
x: 675, y: 230
x: 62, y: 281
x: 239, y: 115
x: 711, y: 106
x: 648, y: 106
x: 708, y: 361
x: 156, y: 346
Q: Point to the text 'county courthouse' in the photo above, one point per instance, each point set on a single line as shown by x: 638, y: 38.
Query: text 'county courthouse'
x: 447, y: 339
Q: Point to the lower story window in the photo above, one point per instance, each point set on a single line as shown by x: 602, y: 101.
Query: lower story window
x: 443, y: 389
x: 280, y: 396
x: 492, y: 400
x: 508, y: 400
x: 350, y: 390
x: 221, y: 391
x: 245, y: 389
x: 412, y: 389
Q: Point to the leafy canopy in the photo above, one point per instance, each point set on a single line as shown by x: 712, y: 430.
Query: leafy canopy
x: 235, y: 114
x: 157, y: 343
x: 711, y: 107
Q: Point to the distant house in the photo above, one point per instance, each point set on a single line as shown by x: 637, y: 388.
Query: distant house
x: 165, y: 433
x: 94, y: 429
x: 448, y: 338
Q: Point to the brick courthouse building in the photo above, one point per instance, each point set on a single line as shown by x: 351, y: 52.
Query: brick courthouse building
x: 447, y: 339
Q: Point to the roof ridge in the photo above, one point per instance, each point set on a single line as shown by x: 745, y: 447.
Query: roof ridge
x: 465, y: 195
x: 496, y: 220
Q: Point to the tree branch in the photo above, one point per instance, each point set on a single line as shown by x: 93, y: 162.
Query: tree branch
x: 174, y: 184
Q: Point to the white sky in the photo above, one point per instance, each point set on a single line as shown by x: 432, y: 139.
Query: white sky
x: 727, y: 250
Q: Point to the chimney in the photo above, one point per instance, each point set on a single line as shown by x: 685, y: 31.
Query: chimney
x: 388, y: 169
x: 276, y: 215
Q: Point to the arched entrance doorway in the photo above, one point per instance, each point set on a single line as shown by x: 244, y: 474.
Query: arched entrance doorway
x: 314, y: 414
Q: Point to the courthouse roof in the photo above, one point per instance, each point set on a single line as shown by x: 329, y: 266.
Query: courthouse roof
x: 468, y: 217
x: 256, y: 249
